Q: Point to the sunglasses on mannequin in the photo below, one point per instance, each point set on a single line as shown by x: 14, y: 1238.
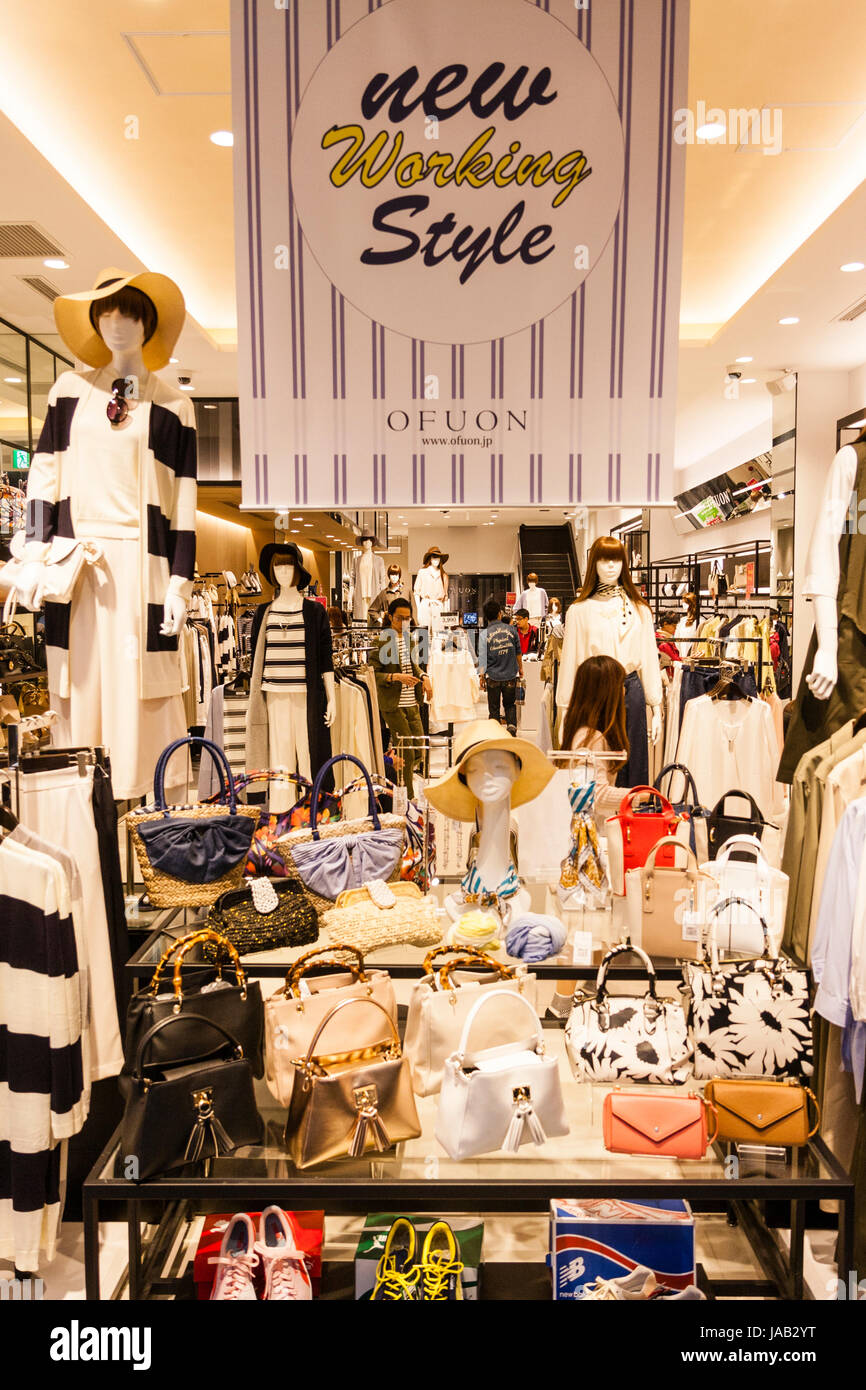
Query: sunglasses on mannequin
x: 118, y: 407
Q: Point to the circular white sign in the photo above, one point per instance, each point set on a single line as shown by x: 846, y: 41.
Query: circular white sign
x: 457, y: 166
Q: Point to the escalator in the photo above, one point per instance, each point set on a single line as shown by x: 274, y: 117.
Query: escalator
x: 548, y: 551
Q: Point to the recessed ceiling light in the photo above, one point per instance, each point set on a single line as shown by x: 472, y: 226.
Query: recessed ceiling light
x: 848, y: 266
x: 744, y: 359
x: 308, y: 523
x: 748, y: 381
x: 210, y: 407
x: 55, y: 263
x: 174, y: 359
x: 187, y: 386
x: 711, y: 130
x: 297, y: 518
x: 294, y: 531
x: 789, y: 319
x: 222, y: 137
x: 13, y: 380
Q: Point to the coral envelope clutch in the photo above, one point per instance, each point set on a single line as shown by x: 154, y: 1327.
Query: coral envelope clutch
x: 636, y: 1122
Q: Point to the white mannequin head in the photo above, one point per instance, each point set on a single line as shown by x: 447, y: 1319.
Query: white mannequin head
x: 491, y: 774
x: 608, y: 571
x: 284, y: 575
x: 395, y: 574
x: 367, y: 545
x: 120, y: 333
x: 434, y: 562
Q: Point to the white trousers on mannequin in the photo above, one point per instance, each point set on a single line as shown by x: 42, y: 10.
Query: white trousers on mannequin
x: 104, y: 707
x: 288, y: 743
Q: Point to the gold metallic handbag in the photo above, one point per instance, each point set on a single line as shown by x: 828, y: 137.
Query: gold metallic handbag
x: 348, y: 1103
x: 763, y: 1112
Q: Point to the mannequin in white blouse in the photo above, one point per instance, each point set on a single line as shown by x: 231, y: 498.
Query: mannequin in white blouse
x: 611, y: 626
x: 822, y: 570
x: 431, y: 589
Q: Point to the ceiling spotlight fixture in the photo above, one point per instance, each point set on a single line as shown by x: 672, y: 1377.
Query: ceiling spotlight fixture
x: 297, y: 518
x: 13, y: 380
x: 744, y: 359
x: 294, y: 530
x: 174, y: 360
x: 790, y: 319
x: 786, y: 382
x: 748, y: 380
x: 308, y: 523
x: 55, y: 263
x: 711, y: 130
x: 222, y: 137
x: 186, y: 386
x: 847, y: 267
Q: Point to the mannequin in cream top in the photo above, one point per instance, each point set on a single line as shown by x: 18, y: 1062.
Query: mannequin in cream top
x: 609, y: 624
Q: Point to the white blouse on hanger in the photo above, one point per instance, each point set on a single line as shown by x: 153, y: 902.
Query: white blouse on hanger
x: 599, y: 627
x: 731, y: 745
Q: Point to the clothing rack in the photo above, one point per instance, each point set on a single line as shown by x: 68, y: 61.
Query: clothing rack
x: 733, y: 664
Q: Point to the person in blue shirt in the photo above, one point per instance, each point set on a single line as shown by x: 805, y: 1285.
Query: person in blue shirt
x: 501, y: 665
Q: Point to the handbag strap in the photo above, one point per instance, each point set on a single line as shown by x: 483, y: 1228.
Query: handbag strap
x: 207, y: 934
x: 193, y: 937
x: 711, y: 1138
x: 479, y: 961
x: 323, y: 955
x: 810, y: 1096
x: 625, y: 806
x: 372, y: 809
x: 227, y: 781
x: 482, y: 1003
x: 714, y: 914
x: 167, y: 1023
x: 690, y: 782
x: 743, y: 842
x: 719, y: 808
x: 624, y: 949
x: 650, y: 861
x: 347, y: 1004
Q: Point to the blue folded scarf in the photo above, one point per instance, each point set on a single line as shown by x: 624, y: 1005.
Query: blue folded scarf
x: 534, y: 937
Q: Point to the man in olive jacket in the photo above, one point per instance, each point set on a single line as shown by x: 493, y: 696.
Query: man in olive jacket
x: 401, y: 685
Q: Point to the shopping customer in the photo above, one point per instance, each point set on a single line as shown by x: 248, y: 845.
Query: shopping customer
x: 401, y: 685
x: 501, y: 665
x: 527, y: 634
x: 595, y: 720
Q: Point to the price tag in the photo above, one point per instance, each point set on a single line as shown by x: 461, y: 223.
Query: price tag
x: 400, y: 801
x: 582, y: 948
x: 692, y: 923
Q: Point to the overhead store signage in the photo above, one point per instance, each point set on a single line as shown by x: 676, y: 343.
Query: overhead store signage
x: 458, y: 238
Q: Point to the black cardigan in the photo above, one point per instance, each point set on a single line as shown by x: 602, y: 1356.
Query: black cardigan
x: 318, y: 659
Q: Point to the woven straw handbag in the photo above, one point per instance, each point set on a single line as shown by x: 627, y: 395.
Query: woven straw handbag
x: 190, y: 855
x: 334, y: 858
x: 412, y: 919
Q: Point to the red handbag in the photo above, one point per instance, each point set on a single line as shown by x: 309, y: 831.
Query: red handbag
x: 632, y: 834
x: 639, y: 1122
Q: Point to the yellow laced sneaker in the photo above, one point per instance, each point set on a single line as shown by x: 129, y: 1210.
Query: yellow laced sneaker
x: 440, y: 1268
x: 397, y: 1274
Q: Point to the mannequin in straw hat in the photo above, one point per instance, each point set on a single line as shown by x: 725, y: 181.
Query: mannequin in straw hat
x: 492, y: 771
x: 116, y: 466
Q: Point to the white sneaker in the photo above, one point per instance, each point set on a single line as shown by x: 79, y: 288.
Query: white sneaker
x: 285, y: 1266
x: 236, y: 1262
x: 640, y: 1284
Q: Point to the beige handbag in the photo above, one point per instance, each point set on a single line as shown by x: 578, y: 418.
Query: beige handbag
x: 314, y: 984
x: 666, y: 909
x: 410, y: 919
x: 439, y: 1005
x: 347, y: 1103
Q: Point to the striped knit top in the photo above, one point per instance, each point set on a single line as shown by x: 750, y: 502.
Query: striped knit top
x: 285, y: 666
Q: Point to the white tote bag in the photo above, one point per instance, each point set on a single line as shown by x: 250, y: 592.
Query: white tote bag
x: 760, y: 885
x: 438, y: 1008
x: 502, y: 1097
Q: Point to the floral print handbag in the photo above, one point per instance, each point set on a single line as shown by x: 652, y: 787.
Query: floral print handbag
x: 748, y: 1017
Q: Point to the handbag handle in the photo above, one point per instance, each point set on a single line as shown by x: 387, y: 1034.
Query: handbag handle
x: 482, y: 1003
x: 227, y: 781
x: 691, y: 784
x: 624, y: 949
x: 203, y: 934
x: 720, y: 907
x: 502, y: 970
x: 372, y: 809
x: 742, y: 842
x: 303, y: 964
x: 625, y: 806
x: 719, y: 808
x: 346, y: 1004
x: 466, y: 952
x: 711, y: 1138
x: 187, y: 944
x: 810, y: 1096
x: 650, y: 861
x: 166, y: 1023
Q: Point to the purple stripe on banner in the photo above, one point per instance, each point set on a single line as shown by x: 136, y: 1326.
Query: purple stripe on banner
x: 374, y: 357
x: 493, y: 477
x: 501, y: 368
x: 337, y: 479
x: 610, y: 477
x: 462, y: 497
x: 649, y: 477
x: 344, y: 480
x: 501, y: 470
x: 589, y: 29
x: 424, y: 478
x: 257, y: 142
x: 580, y: 477
x: 630, y: 75
x: 289, y: 104
x: 663, y: 153
x: 302, y: 345
x: 334, y: 342
x: 453, y: 478
x: 618, y: 475
x: 580, y: 349
x: 376, y: 480
x: 453, y: 371
x: 422, y: 385
x: 462, y: 372
x: 342, y: 348
x: 614, y: 304
x: 258, y: 484
x: 532, y: 477
x: 573, y: 343
x: 658, y: 475
x: 384, y: 480
x: 532, y: 363
x: 337, y: 22
x: 265, y: 481
x: 668, y: 115
x: 540, y: 358
x: 571, y: 477
x: 540, y: 477
x: 305, y: 480
x: 414, y: 374
x: 297, y: 480
x: 250, y: 231
x: 382, y: 362
x: 492, y: 371
x: 414, y: 476
x: 330, y: 36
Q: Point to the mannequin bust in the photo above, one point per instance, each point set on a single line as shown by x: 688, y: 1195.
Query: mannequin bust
x: 490, y: 775
x: 394, y: 588
x: 431, y: 588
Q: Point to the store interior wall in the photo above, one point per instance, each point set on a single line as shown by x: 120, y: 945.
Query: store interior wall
x: 471, y: 549
x: 223, y: 545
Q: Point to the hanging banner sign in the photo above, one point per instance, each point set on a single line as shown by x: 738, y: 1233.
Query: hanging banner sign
x: 458, y: 230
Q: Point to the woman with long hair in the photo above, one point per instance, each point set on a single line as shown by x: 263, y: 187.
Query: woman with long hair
x: 596, y: 720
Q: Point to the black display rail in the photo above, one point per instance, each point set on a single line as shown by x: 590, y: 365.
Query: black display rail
x: 419, y: 1177
x: 670, y: 571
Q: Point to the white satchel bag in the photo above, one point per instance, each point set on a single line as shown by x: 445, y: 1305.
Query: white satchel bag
x: 760, y: 885
x: 439, y: 1005
x: 502, y: 1097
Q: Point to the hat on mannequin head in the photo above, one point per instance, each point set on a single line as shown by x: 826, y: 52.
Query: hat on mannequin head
x: 76, y: 317
x: 434, y: 550
x: 451, y: 795
x: 284, y: 553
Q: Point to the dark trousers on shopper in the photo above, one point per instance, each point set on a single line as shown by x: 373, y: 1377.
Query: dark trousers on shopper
x: 503, y: 693
x: 407, y: 733
x: 635, y: 773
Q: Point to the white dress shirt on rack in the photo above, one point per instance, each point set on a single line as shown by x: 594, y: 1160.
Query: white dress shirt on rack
x: 452, y: 673
x: 604, y: 627
x: 728, y: 745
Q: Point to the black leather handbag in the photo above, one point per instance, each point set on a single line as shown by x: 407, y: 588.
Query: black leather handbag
x: 262, y: 917
x: 179, y: 1113
x: 698, y: 815
x: 236, y: 1007
x: 721, y: 825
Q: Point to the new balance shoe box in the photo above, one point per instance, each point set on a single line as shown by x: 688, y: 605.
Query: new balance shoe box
x: 468, y: 1232
x: 608, y: 1238
x: 308, y: 1226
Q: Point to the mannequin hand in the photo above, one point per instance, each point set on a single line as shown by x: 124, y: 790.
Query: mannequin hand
x: 656, y: 725
x: 173, y: 615
x: 330, y: 711
x: 824, y: 675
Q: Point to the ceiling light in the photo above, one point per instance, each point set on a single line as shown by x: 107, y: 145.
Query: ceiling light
x: 748, y: 380
x: 187, y: 386
x: 294, y: 531
x: 744, y: 359
x: 13, y: 380
x: 210, y: 407
x: 848, y: 266
x: 55, y: 263
x: 790, y: 319
x: 174, y: 359
x: 308, y: 523
x: 297, y: 518
x: 222, y: 137
x: 711, y: 130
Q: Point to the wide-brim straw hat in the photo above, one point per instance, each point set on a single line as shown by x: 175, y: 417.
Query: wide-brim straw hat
x: 72, y: 316
x: 451, y: 795
x: 434, y: 550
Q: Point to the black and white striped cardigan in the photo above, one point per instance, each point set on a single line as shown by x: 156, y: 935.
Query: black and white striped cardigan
x: 168, y: 491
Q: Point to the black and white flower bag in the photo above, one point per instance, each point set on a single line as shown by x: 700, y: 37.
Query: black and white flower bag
x: 627, y: 1037
x: 748, y: 1017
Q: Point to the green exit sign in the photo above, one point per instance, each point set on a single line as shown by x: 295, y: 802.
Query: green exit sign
x: 20, y: 458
